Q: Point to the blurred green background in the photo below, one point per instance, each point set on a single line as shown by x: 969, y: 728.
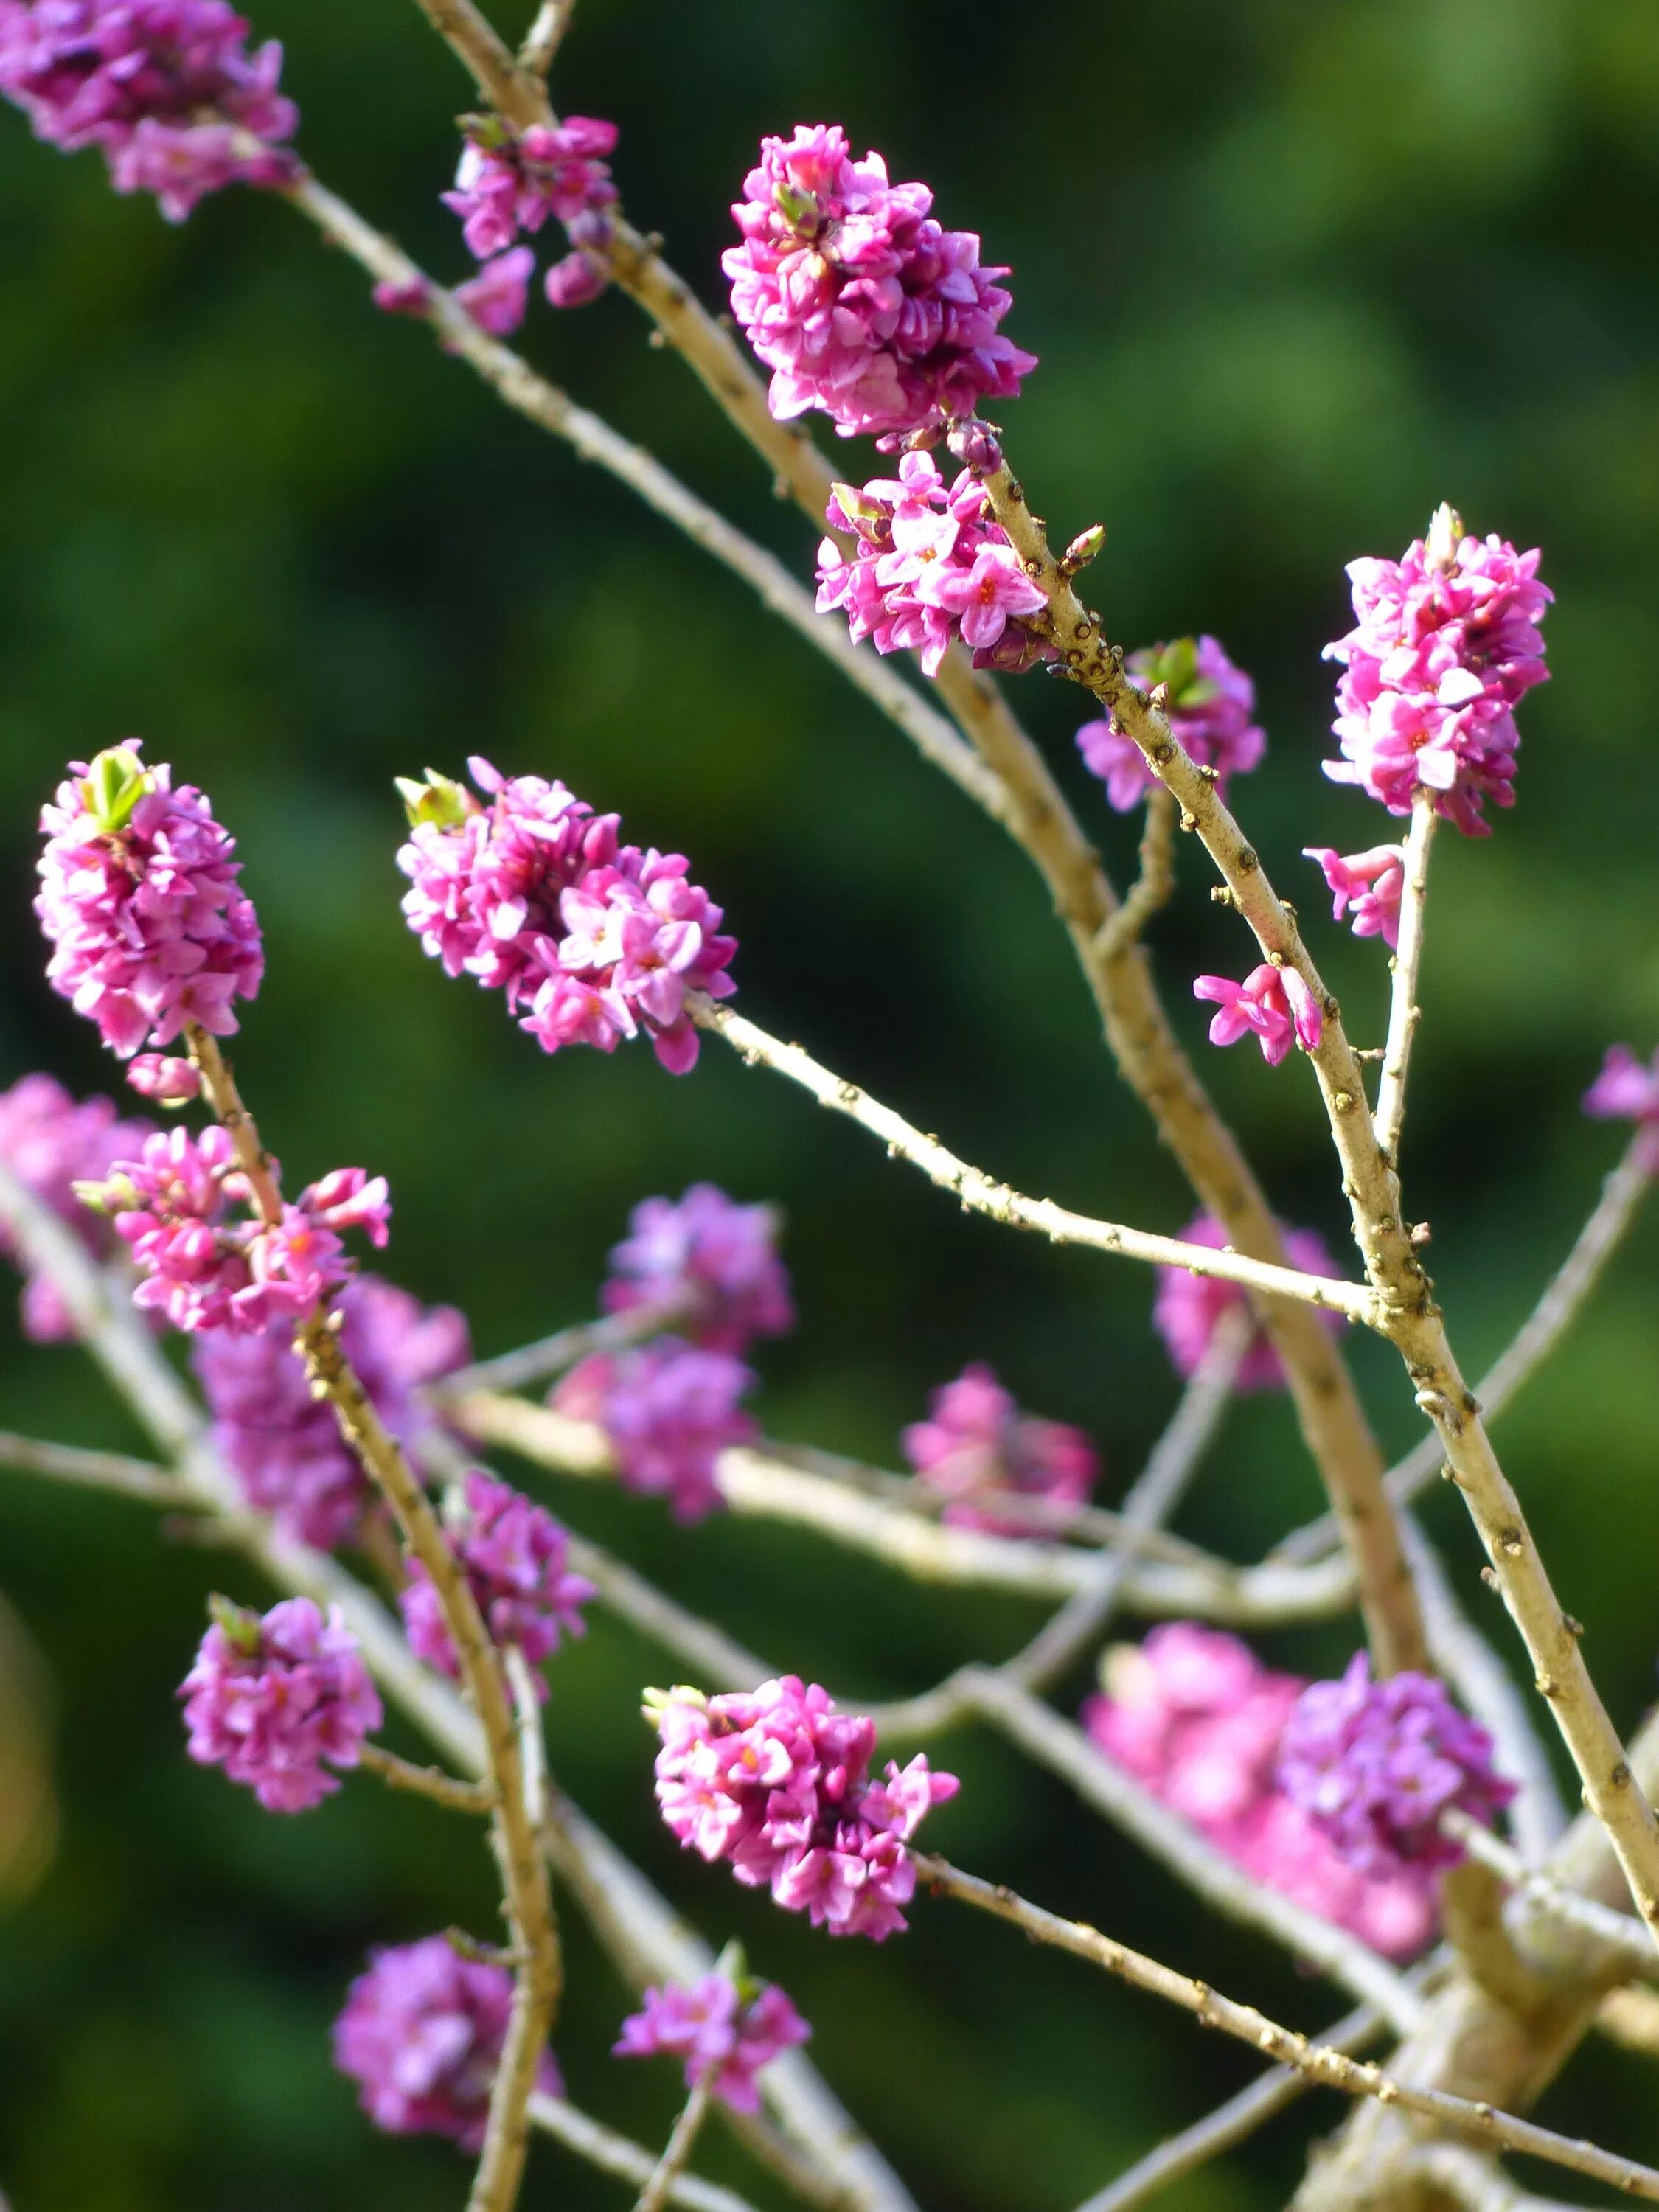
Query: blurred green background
x: 1296, y: 272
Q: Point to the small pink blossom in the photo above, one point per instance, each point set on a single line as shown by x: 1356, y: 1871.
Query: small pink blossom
x: 516, y: 1558
x: 277, y: 1700
x: 52, y: 1145
x: 1189, y: 1308
x: 1272, y: 1005
x: 410, y: 295
x: 669, y: 1409
x: 505, y: 186
x: 721, y: 2031
x: 497, y: 296
x: 713, y: 1262
x: 1625, y: 1091
x: 1372, y: 883
x: 169, y: 1081
x: 976, y: 1443
x: 1210, y: 713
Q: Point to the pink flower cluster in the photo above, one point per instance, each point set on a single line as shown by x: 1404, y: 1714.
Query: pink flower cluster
x: 533, y: 894
x: 1372, y: 883
x: 976, y: 1444
x: 203, y: 1267
x: 1211, y: 704
x: 516, y: 1559
x: 708, y: 1261
x: 1374, y: 1764
x: 722, y: 2031
x: 283, y: 1446
x: 167, y: 89
x: 276, y: 1701
x: 1189, y: 1308
x: 669, y: 1409
x: 1272, y: 1005
x: 51, y: 1144
x: 856, y: 299
x: 778, y: 1782
x: 138, y: 898
x: 1193, y: 1715
x: 505, y: 186
x: 1445, y: 645
x: 1625, y: 1091
x: 930, y: 566
x: 421, y: 2034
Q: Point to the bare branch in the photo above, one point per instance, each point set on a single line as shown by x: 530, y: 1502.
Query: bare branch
x: 545, y: 36
x: 552, y: 1355
x: 426, y: 1781
x: 1404, y: 1012
x: 612, y: 2153
x: 97, y: 1470
x: 1151, y: 889
x: 677, y: 2150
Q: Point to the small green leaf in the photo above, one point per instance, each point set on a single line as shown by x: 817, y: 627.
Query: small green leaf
x: 115, y: 783
x: 440, y: 799
x: 239, y: 1625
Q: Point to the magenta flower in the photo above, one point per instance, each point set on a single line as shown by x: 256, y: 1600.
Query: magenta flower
x: 277, y: 1700
x: 507, y: 185
x: 516, y: 1558
x: 930, y: 566
x: 138, y: 899
x: 204, y: 1261
x: 168, y: 1081
x: 976, y: 1443
x: 1625, y: 1091
x: 1372, y: 883
x: 778, y: 1782
x: 711, y: 1262
x: 1445, y: 646
x: 497, y: 296
x: 1189, y: 1308
x: 1272, y: 1005
x: 670, y: 1410
x: 1373, y: 1765
x: 1193, y: 1716
x: 283, y: 1446
x: 1211, y: 704
x: 167, y: 89
x: 51, y: 1144
x: 534, y: 896
x: 857, y: 301
x: 421, y: 2034
x: 721, y: 2031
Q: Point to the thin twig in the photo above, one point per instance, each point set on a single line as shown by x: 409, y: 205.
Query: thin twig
x: 677, y: 2149
x: 1627, y: 1937
x: 1631, y: 2017
x: 979, y: 1193
x: 552, y: 1355
x: 1230, y: 2124
x: 1404, y: 1012
x: 98, y: 1470
x: 1330, y: 2068
x: 1477, y: 2185
x: 426, y: 1781
x: 545, y: 36
x: 532, y: 1745
x: 602, y: 2146
x: 1152, y: 887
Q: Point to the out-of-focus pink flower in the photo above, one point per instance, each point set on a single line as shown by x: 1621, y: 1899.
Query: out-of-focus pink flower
x: 138, y: 898
x: 857, y: 301
x: 1189, y: 1308
x: 497, y: 296
x: 1625, y: 1091
x: 1445, y: 645
x: 516, y: 1557
x: 52, y: 1143
x: 1272, y: 1005
x: 1193, y: 1716
x: 721, y: 2031
x: 276, y: 1701
x: 422, y: 2035
x: 169, y: 1082
x: 714, y: 1262
x: 778, y: 1782
x: 505, y: 185
x: 975, y: 1443
x: 670, y: 1410
x: 1210, y: 713
x: 1372, y: 883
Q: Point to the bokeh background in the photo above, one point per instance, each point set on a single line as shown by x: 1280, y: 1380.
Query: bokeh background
x: 1296, y: 272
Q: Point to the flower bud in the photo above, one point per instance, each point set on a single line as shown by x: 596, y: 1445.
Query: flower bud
x: 114, y: 784
x: 168, y: 1080
x: 1084, y: 548
x: 439, y: 800
x: 1445, y: 533
x: 975, y: 445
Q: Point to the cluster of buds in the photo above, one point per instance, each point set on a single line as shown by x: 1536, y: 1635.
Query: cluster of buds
x: 707, y: 1262
x: 977, y: 1446
x: 1210, y: 706
x: 723, y: 2029
x: 278, y: 1700
x: 53, y: 1145
x: 508, y: 185
x: 515, y: 1557
x: 669, y: 1409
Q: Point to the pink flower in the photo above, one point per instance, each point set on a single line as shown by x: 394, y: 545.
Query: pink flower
x: 1625, y: 1091
x: 713, y: 1262
x: 516, y: 1559
x: 1372, y: 883
x: 930, y: 566
x: 271, y: 1700
x: 670, y: 1410
x: 505, y: 185
x: 534, y: 896
x: 976, y: 1443
x: 1272, y: 1005
x: 166, y: 89
x: 1445, y: 645
x: 138, y: 899
x: 1195, y: 1717
x: 170, y: 1082
x: 1374, y: 1764
x: 497, y: 296
x: 51, y: 1144
x: 857, y: 301
x: 284, y: 1446
x: 422, y: 2035
x: 1189, y: 1308
x: 778, y: 1782
x: 1212, y: 704
x: 719, y: 2029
